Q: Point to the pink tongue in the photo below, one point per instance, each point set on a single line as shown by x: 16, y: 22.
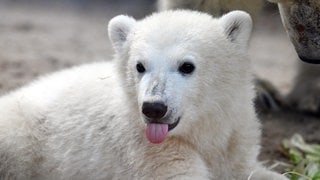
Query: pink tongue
x: 156, y: 133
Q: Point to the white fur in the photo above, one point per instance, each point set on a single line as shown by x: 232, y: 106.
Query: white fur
x: 86, y: 122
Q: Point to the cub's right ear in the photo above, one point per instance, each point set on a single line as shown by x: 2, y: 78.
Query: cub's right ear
x: 118, y: 29
x: 237, y: 26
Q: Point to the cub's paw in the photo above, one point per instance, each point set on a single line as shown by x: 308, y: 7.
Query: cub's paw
x: 264, y: 174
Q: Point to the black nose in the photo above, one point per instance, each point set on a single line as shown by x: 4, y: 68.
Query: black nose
x: 154, y: 110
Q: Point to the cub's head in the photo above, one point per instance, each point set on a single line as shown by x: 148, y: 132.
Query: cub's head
x: 180, y: 67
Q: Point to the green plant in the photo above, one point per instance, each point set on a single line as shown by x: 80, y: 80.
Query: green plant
x: 304, y: 157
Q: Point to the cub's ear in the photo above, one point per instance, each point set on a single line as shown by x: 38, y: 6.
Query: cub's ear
x: 118, y: 29
x: 237, y: 25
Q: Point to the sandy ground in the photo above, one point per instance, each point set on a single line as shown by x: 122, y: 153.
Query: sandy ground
x: 36, y: 39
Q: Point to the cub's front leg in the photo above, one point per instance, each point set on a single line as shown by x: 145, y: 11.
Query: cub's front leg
x: 182, y: 169
x: 172, y: 160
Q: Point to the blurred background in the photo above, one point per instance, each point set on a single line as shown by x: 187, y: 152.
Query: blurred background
x: 42, y: 36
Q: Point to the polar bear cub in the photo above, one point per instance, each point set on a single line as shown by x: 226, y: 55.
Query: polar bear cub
x: 175, y: 103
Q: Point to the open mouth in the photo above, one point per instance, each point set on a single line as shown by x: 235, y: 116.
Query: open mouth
x: 172, y: 126
x: 157, y: 132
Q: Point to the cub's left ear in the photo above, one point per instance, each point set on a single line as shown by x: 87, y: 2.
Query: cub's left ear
x: 237, y: 26
x: 118, y: 29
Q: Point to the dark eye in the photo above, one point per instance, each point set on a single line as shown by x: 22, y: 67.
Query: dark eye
x: 186, y: 68
x: 140, y: 68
